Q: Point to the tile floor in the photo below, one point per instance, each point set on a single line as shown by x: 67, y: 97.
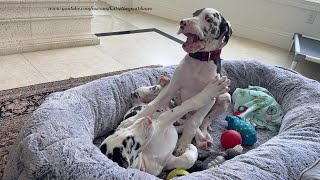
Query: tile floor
x: 127, y: 51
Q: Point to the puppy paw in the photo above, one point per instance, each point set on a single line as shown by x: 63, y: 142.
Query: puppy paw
x: 164, y: 80
x: 191, y: 154
x: 181, y: 149
x: 203, y: 140
x: 218, y: 86
x: 191, y: 150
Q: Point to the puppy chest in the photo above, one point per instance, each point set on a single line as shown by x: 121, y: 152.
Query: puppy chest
x: 191, y: 88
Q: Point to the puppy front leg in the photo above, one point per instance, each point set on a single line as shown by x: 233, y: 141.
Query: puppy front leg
x: 203, y: 101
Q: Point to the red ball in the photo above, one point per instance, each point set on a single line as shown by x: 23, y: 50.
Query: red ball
x: 230, y: 138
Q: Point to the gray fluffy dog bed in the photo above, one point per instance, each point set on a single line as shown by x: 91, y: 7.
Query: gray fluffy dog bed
x: 58, y: 142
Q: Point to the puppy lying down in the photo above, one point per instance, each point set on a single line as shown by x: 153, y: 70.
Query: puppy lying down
x: 148, y: 144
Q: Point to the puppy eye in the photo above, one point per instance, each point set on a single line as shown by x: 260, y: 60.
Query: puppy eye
x: 209, y: 20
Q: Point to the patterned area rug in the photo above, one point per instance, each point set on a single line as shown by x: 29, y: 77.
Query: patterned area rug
x: 17, y: 105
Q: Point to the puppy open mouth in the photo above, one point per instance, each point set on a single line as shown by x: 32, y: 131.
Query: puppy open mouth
x: 191, y: 39
x: 193, y: 43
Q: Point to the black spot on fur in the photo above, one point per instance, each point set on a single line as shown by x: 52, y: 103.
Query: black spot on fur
x: 131, y: 146
x: 109, y: 156
x: 137, y: 108
x: 197, y: 12
x: 135, y: 95
x: 171, y: 110
x: 138, y: 145
x: 213, y: 31
x: 216, y: 15
x: 118, y: 158
x: 128, y: 143
x: 131, y: 114
x: 153, y: 88
x: 130, y: 137
x: 124, y: 143
x: 103, y: 148
x: 131, y: 160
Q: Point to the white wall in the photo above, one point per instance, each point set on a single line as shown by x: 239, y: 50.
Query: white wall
x: 269, y: 21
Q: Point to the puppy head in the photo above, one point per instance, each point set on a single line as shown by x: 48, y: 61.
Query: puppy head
x: 125, y: 145
x: 207, y: 30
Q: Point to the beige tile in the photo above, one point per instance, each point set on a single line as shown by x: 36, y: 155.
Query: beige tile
x: 16, y: 71
x: 141, y: 49
x: 72, y: 62
x: 109, y: 23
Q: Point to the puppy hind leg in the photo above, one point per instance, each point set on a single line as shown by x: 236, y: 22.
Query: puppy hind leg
x: 220, y: 106
x: 212, y: 91
x: 145, y: 93
x: 185, y: 161
x: 191, y: 127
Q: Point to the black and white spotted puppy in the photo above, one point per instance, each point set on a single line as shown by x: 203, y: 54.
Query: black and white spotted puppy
x: 148, y: 143
x: 143, y: 95
x: 207, y: 32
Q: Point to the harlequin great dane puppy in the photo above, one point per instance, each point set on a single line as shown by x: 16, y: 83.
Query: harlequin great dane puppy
x: 207, y: 33
x: 148, y: 143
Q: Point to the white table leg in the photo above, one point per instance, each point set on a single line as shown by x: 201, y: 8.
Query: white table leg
x: 293, y: 65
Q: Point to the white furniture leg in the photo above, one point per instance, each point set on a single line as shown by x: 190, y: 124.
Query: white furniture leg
x: 293, y: 65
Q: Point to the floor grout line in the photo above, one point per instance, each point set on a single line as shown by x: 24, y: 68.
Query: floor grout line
x: 110, y: 56
x: 34, y: 67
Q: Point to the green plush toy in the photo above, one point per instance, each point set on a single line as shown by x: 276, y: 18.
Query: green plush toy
x: 247, y: 131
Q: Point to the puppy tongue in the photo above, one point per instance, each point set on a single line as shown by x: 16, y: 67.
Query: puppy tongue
x: 191, y: 38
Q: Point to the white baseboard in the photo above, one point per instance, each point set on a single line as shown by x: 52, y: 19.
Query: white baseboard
x: 260, y: 34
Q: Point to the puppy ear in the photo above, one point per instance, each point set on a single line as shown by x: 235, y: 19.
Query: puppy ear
x: 197, y: 12
x: 225, y: 31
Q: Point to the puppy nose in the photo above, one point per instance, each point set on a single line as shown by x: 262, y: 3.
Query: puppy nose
x: 183, y: 23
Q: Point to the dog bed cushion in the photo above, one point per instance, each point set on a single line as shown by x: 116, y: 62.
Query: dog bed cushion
x: 58, y: 142
x: 312, y: 172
